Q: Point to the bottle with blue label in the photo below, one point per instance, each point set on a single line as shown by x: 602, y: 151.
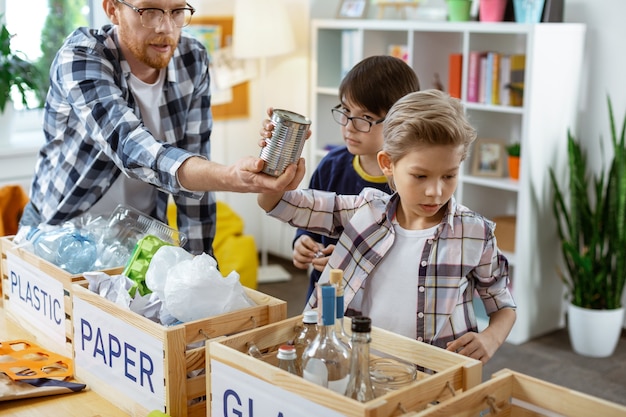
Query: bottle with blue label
x: 326, y: 361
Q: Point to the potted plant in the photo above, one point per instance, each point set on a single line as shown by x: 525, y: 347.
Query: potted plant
x: 591, y: 224
x: 459, y: 10
x: 513, y: 150
x: 16, y: 72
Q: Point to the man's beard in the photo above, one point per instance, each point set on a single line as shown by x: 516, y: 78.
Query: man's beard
x: 157, y: 61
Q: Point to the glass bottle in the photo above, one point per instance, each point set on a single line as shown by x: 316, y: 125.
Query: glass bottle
x: 336, y: 278
x: 287, y: 359
x: 360, y: 385
x: 253, y: 350
x: 326, y: 360
x: 306, y: 336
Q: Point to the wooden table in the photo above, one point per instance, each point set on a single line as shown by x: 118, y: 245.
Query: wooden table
x: 83, y: 404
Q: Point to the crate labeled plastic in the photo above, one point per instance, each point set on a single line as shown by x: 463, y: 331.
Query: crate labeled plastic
x: 242, y: 385
x: 140, y: 365
x: 512, y: 394
x: 36, y: 295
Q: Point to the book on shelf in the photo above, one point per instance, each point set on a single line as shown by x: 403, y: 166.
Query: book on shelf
x: 473, y: 76
x: 516, y: 84
x: 505, y: 79
x: 455, y: 71
x: 494, y: 97
x: 495, y: 78
x: 482, y: 79
x: 349, y: 50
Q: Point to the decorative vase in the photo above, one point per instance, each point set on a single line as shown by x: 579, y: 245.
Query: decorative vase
x: 594, y: 333
x: 492, y: 10
x: 459, y: 10
x: 513, y: 162
x: 528, y: 11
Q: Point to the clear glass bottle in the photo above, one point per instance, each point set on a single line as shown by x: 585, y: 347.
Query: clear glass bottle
x: 287, y: 359
x: 336, y: 278
x: 253, y: 350
x: 306, y: 335
x: 326, y: 361
x: 360, y: 385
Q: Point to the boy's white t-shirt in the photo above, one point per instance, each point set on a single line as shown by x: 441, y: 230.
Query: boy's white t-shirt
x: 390, y: 293
x: 130, y: 191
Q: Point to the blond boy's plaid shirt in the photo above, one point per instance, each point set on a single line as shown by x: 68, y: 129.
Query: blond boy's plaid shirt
x: 460, y: 260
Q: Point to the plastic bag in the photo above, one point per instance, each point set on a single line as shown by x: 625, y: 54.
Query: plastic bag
x: 193, y: 287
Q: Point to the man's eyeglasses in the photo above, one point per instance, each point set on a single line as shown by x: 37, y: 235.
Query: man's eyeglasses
x: 151, y: 17
x: 359, y: 123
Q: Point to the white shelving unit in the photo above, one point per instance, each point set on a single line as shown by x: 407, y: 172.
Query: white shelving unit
x: 554, y: 53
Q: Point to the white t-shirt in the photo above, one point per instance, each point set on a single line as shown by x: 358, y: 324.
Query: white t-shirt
x: 390, y: 293
x: 129, y: 191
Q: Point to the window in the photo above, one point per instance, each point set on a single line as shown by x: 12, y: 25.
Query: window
x: 37, y: 23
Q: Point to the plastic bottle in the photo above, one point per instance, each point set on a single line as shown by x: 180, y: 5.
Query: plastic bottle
x: 326, y: 360
x: 68, y: 248
x: 287, y: 359
x: 336, y: 279
x: 360, y: 385
x: 306, y: 335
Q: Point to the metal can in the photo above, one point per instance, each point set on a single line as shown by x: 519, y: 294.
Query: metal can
x: 287, y: 141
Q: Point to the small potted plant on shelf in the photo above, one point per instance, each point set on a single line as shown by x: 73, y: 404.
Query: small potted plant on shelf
x: 513, y: 150
x: 16, y: 72
x: 591, y: 224
x: 459, y: 10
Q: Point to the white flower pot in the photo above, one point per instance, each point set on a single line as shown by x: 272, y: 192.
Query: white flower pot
x: 594, y: 333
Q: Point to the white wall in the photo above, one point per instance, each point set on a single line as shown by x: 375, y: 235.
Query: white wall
x: 603, y: 72
x: 604, y: 69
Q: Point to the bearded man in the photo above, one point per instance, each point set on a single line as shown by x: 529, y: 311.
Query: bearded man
x: 128, y: 121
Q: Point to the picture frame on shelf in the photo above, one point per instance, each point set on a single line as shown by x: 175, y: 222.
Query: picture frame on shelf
x: 488, y: 158
x: 352, y: 9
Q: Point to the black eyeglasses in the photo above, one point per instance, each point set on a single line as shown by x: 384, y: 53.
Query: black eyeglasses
x: 359, y: 123
x: 151, y: 17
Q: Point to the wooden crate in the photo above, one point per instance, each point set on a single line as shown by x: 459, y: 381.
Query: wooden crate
x: 140, y: 365
x: 242, y: 385
x: 512, y: 394
x: 36, y: 295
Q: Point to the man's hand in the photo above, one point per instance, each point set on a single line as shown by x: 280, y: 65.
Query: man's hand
x: 247, y: 173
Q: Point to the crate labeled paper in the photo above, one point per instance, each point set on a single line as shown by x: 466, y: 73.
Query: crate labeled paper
x: 36, y: 294
x: 513, y: 394
x: 140, y: 365
x: 241, y: 385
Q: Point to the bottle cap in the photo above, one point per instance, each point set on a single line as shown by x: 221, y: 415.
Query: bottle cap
x: 361, y: 324
x: 309, y: 317
x: 286, y: 352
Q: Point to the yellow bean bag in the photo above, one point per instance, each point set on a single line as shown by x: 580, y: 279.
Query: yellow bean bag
x: 233, y: 250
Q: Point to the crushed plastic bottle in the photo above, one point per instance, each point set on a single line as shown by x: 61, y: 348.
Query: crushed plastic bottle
x: 67, y: 248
